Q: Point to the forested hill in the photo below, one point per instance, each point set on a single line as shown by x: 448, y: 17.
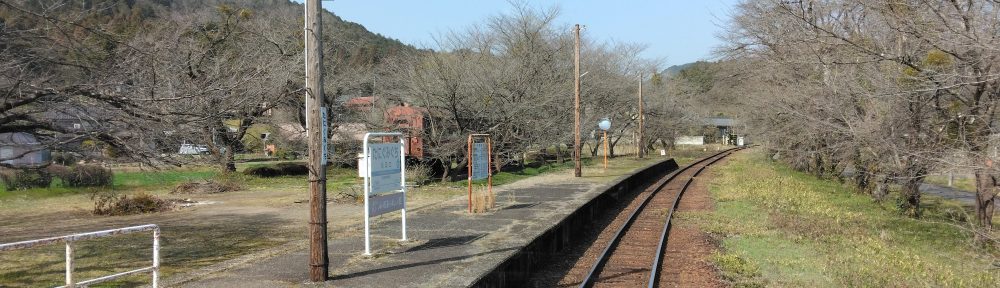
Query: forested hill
x: 125, y: 17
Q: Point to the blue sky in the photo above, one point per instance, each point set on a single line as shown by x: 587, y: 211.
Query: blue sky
x: 678, y: 31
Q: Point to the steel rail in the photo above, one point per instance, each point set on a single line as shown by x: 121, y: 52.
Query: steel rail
x: 654, y: 277
x: 606, y: 253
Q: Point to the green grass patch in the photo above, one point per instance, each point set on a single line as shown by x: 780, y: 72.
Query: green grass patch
x: 961, y: 183
x: 783, y: 228
x: 151, y: 179
x: 146, y: 180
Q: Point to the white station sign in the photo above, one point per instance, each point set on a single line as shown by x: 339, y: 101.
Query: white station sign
x: 387, y: 167
x: 384, y: 189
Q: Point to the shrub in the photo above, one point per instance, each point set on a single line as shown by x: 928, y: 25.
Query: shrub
x: 418, y: 174
x: 84, y: 176
x: 218, y: 185
x: 280, y: 169
x: 289, y: 169
x: 737, y: 270
x: 262, y: 171
x: 111, y: 204
x: 25, y: 179
x: 66, y: 158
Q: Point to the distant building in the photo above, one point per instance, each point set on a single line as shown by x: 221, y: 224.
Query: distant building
x: 403, y: 117
x: 719, y: 130
x: 20, y: 149
x: 725, y: 126
x: 690, y: 140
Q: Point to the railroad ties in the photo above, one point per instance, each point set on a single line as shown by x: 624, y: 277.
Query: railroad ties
x: 637, y: 247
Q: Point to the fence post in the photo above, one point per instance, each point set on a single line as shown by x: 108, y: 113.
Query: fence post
x: 69, y: 265
x: 156, y: 257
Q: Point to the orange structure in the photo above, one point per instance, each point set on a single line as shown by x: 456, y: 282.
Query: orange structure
x: 410, y: 121
x: 403, y: 118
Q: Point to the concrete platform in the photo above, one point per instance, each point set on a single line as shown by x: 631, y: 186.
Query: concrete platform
x: 448, y: 247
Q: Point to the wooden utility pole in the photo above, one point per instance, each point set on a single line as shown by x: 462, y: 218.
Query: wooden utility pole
x: 640, y: 144
x: 578, y: 167
x: 318, y: 259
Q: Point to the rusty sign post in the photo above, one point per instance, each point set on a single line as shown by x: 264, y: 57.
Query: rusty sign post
x: 476, y: 160
x: 604, y: 125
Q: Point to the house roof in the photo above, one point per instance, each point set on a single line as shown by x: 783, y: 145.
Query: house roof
x: 719, y: 121
x: 359, y: 101
x: 18, y: 138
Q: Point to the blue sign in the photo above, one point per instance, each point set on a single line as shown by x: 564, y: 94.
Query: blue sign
x: 385, y: 203
x: 322, y: 117
x: 386, y: 168
x: 480, y: 161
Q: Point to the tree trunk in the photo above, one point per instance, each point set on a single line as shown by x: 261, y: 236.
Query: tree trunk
x: 447, y: 169
x: 911, y: 195
x: 229, y: 159
x: 862, y: 182
x: 818, y: 165
x: 881, y: 188
x: 986, y: 191
x: 862, y: 176
x: 559, y: 156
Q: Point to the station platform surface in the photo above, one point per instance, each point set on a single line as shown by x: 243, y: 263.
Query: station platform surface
x: 447, y: 246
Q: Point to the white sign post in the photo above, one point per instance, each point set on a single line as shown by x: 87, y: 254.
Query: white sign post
x: 385, y: 181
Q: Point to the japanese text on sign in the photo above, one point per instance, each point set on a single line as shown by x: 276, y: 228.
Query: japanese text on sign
x: 480, y: 161
x: 386, y: 167
x: 386, y: 203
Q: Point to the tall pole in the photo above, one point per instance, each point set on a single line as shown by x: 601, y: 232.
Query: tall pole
x: 318, y: 259
x: 641, y: 145
x: 576, y: 106
x: 605, y: 149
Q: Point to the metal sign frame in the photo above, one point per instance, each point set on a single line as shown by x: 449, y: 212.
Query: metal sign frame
x: 489, y: 163
x: 368, y: 180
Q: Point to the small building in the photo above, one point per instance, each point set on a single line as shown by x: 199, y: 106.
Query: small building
x: 725, y: 127
x: 690, y: 140
x: 403, y: 118
x: 21, y: 149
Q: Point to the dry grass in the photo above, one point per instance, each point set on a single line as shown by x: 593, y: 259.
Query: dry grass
x: 114, y: 204
x: 483, y: 199
x: 782, y: 228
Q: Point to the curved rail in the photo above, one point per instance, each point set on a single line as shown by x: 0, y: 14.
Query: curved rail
x: 606, y: 253
x: 654, y: 277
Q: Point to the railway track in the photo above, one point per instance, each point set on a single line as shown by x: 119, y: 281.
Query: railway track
x: 633, y: 256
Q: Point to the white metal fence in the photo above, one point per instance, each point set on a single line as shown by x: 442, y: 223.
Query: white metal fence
x: 69, y: 239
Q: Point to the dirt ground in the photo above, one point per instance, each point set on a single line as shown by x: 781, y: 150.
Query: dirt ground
x: 218, y: 229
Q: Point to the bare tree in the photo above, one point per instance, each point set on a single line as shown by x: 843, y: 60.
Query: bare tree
x: 218, y: 73
x: 57, y: 70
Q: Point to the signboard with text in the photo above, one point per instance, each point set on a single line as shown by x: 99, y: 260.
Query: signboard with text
x: 480, y: 161
x: 386, y: 167
x: 322, y: 116
x: 385, y: 203
x: 383, y: 176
